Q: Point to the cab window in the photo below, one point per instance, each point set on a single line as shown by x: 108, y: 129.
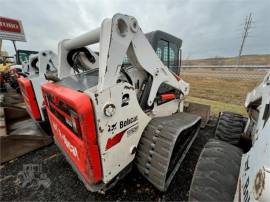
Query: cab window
x: 168, y: 53
x: 173, y: 57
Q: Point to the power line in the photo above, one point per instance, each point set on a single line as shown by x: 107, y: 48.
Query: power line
x: 247, y: 27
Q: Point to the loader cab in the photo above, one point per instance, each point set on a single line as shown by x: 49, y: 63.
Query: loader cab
x: 23, y: 56
x: 168, y: 49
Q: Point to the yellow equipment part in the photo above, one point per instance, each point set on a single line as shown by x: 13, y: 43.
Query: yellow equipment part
x: 5, y: 67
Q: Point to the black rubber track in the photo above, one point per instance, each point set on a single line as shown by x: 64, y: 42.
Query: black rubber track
x: 216, y: 173
x: 230, y: 126
x: 164, y: 145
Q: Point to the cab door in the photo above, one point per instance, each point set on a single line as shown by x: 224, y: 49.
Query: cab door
x: 168, y: 52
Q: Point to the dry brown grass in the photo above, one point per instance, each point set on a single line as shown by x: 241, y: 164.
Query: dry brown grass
x: 245, y: 59
x: 217, y: 89
x: 220, y: 94
x: 217, y: 106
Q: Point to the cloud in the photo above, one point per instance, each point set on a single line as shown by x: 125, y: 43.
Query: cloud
x: 208, y: 28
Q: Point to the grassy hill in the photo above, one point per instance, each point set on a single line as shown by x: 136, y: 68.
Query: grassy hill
x: 245, y: 60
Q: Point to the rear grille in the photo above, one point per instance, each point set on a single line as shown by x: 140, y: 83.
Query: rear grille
x: 65, y: 113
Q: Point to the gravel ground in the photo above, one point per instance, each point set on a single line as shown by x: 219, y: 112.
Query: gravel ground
x: 65, y: 185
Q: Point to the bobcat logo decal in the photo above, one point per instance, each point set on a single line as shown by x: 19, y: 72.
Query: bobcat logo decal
x: 112, y: 127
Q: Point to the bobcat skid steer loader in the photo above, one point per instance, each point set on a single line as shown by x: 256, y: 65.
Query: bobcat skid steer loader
x: 41, y: 66
x: 105, y: 116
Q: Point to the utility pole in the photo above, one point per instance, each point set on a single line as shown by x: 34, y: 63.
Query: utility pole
x: 247, y: 27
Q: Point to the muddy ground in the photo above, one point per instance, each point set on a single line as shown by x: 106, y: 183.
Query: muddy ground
x: 62, y: 184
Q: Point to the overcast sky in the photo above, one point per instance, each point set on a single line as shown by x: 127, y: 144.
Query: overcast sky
x: 209, y: 28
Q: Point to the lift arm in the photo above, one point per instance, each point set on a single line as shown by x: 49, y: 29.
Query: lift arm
x: 119, y: 36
